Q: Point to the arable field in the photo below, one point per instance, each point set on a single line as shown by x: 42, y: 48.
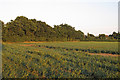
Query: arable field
x: 61, y: 60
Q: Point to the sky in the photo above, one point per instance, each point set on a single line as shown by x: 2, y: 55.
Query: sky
x: 90, y: 16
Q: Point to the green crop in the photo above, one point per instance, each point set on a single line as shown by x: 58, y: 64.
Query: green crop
x: 59, y: 60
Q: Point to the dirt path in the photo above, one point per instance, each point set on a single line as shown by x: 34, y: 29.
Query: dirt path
x: 104, y: 54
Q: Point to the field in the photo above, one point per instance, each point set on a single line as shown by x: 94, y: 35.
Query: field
x: 61, y: 60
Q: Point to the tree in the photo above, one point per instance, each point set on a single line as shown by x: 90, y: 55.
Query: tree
x: 102, y: 36
x: 90, y: 37
x: 24, y: 29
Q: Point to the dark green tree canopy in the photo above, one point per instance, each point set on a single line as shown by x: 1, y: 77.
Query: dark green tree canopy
x: 24, y: 29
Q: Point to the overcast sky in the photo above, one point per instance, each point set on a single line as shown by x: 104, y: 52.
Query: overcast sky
x: 93, y: 16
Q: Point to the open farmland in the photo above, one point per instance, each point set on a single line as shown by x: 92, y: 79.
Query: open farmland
x: 60, y: 60
x: 92, y: 47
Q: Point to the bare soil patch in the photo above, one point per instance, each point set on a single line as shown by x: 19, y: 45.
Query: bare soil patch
x: 8, y: 42
x: 32, y: 42
x: 104, y: 54
x: 27, y: 45
x: 21, y: 42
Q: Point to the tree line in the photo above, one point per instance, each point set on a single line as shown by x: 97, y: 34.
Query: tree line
x: 23, y: 29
